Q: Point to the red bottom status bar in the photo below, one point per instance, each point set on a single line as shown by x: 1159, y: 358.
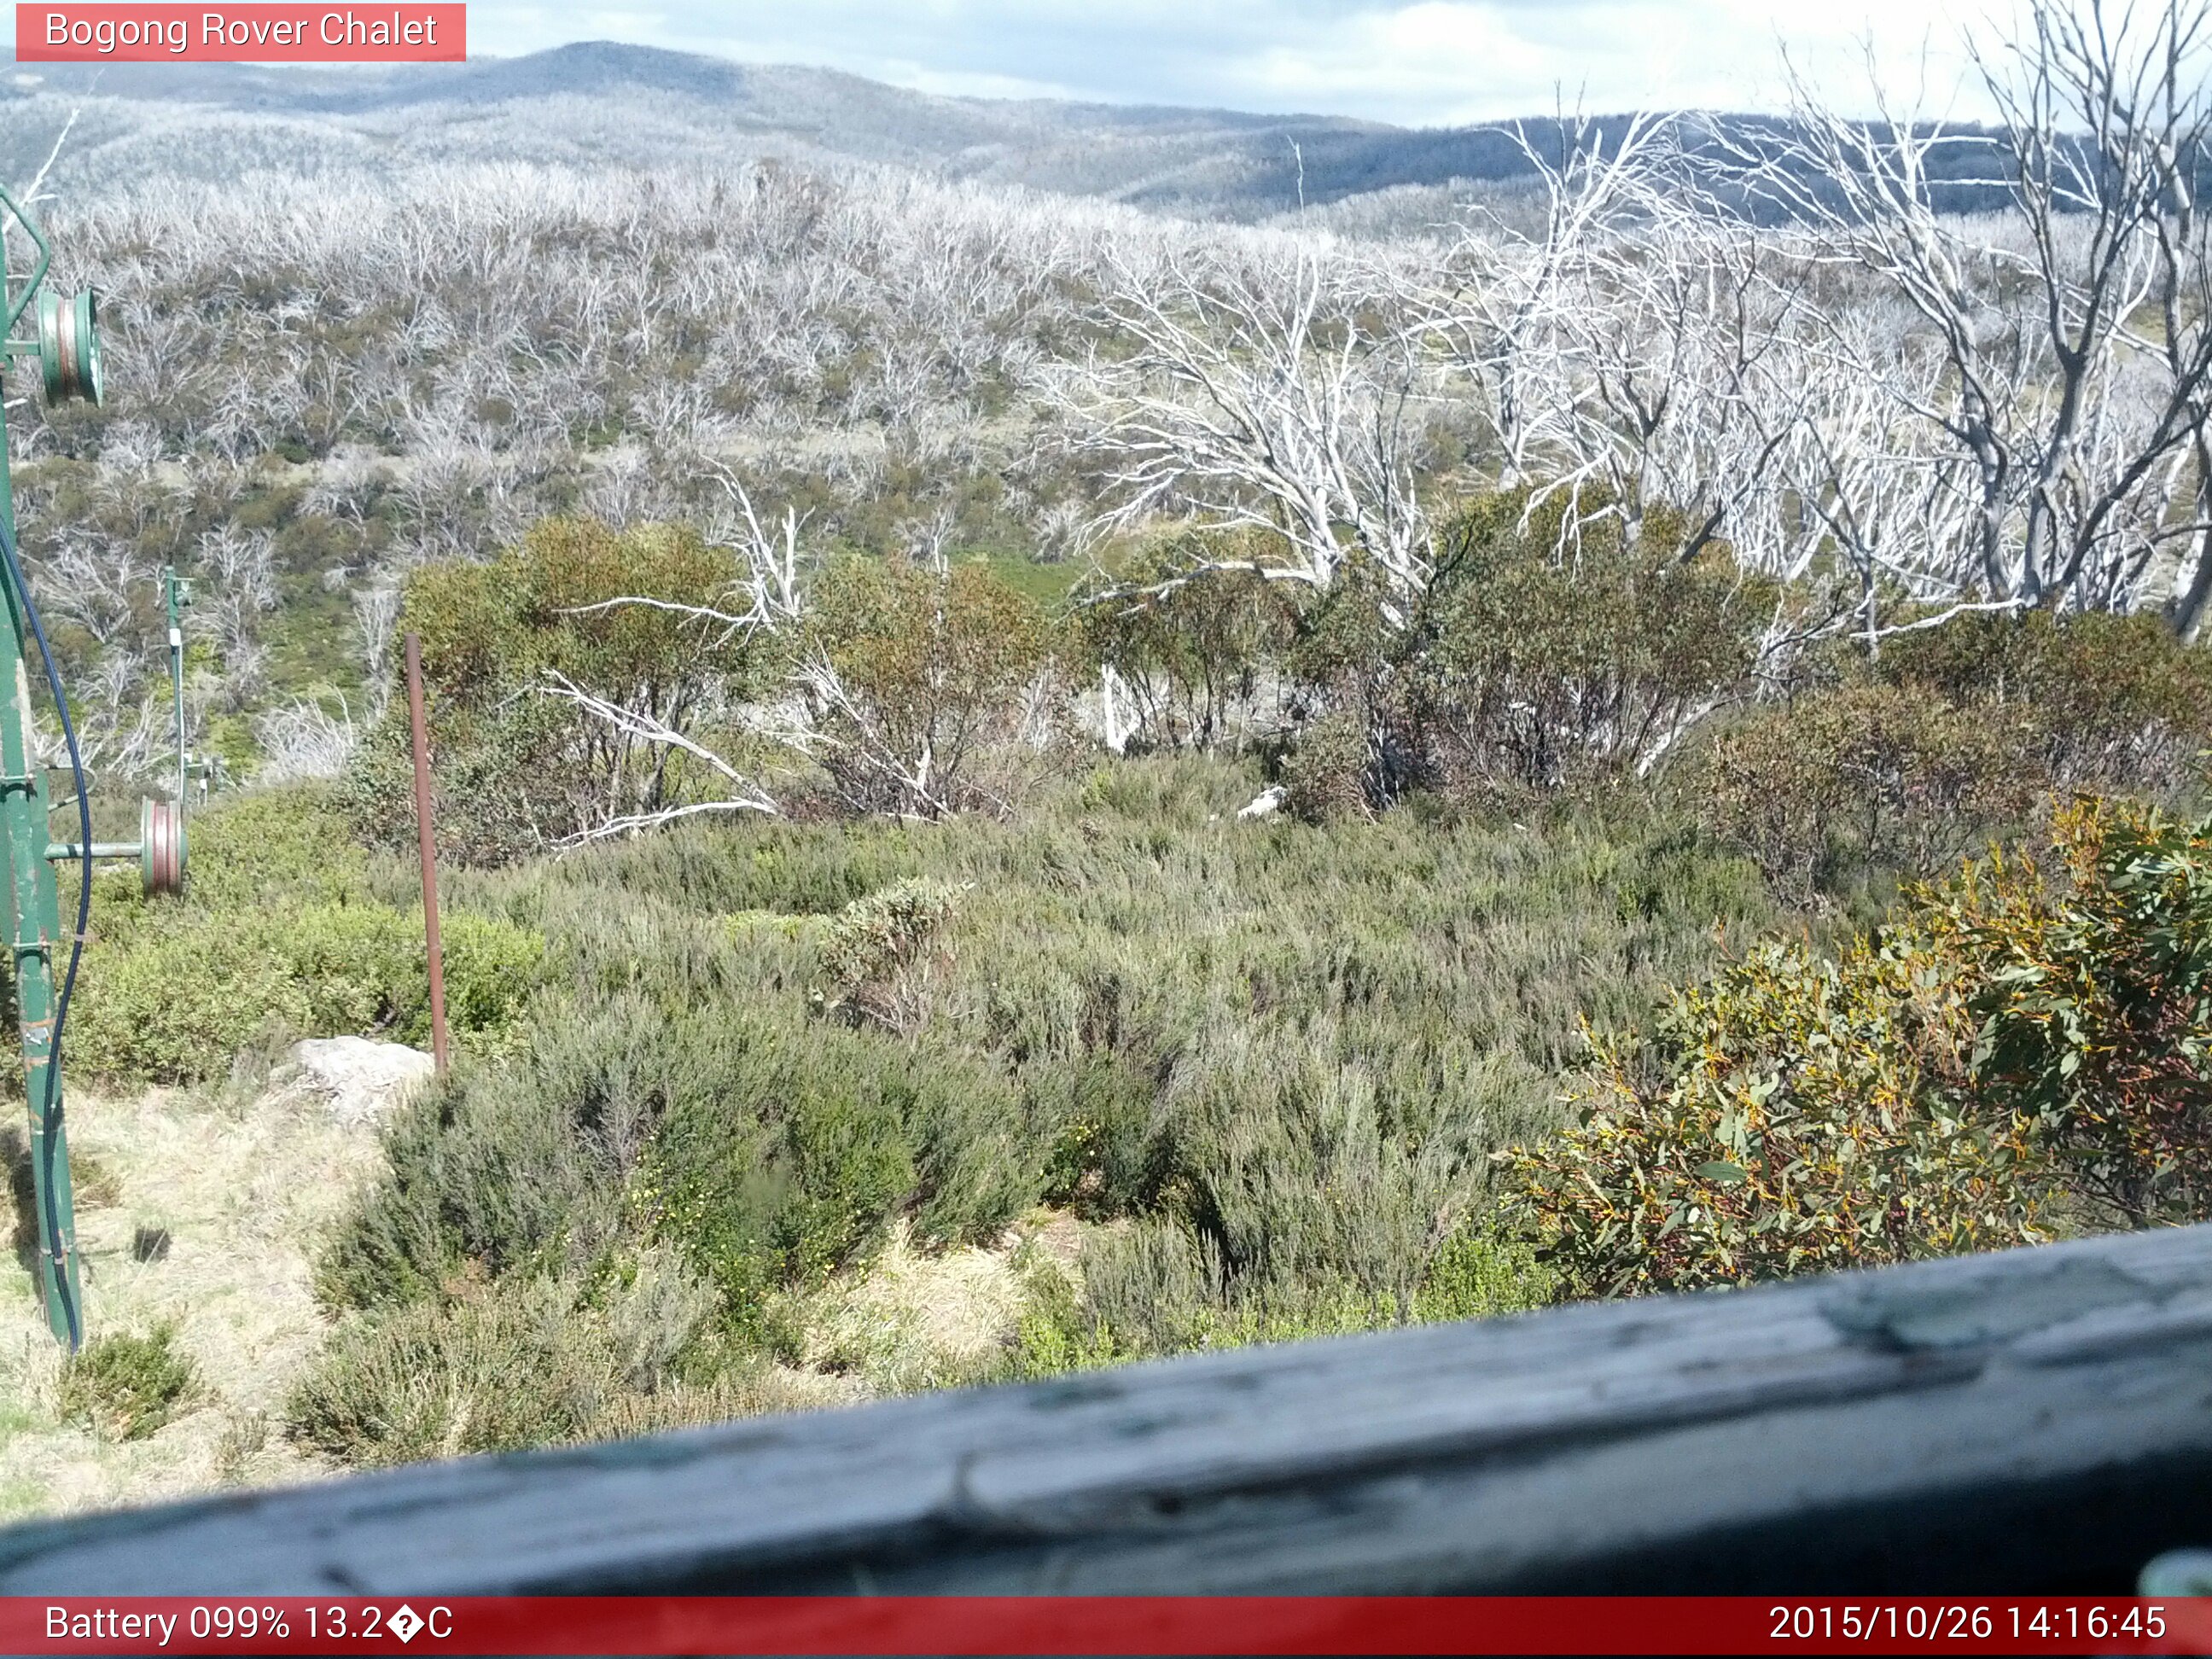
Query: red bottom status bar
x: 1101, y: 1624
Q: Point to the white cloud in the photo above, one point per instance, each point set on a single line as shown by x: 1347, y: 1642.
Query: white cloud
x: 1455, y: 61
x: 960, y: 84
x: 1418, y: 61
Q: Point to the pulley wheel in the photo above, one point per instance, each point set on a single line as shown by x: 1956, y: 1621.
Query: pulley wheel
x: 69, y: 345
x: 161, y: 847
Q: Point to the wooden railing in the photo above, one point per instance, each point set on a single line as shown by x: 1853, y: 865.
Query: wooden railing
x: 2039, y: 1420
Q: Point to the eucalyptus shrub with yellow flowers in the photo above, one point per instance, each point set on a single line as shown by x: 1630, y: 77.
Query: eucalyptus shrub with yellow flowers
x: 1791, y: 1115
x: 2093, y: 991
x: 2025, y: 1048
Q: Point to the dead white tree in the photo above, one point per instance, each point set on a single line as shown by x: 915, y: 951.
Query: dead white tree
x: 1884, y: 512
x: 239, y: 570
x: 643, y: 738
x: 1678, y: 383
x: 928, y: 541
x: 303, y: 738
x: 1260, y: 394
x: 634, y: 728
x: 376, y: 622
x: 2071, y: 332
x: 1500, y: 309
x: 34, y: 189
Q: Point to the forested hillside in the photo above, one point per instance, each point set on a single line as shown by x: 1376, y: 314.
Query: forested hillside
x: 601, y: 104
x: 1026, y: 783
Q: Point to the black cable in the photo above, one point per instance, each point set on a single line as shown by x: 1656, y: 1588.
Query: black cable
x: 54, y: 1112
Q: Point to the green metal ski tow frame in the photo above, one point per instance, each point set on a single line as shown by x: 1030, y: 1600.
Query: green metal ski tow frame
x: 67, y: 348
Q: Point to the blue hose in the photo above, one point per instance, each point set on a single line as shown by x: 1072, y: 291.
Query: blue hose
x: 53, y: 1105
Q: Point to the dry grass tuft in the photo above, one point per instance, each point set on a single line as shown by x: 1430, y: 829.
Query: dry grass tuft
x: 242, y: 1193
x: 916, y: 1319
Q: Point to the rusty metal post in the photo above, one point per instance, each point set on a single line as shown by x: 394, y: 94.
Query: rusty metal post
x: 429, y: 851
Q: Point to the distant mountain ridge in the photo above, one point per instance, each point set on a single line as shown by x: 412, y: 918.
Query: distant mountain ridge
x: 1200, y: 161
x: 600, y: 101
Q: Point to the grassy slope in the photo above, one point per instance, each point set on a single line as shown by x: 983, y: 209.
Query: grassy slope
x: 246, y: 1191
x: 1157, y: 984
x: 1494, y: 938
x: 1293, y: 1045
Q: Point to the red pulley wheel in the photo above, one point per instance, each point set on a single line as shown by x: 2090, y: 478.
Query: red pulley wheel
x: 161, y: 847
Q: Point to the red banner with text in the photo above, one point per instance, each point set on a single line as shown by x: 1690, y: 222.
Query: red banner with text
x: 252, y: 34
x: 993, y: 1625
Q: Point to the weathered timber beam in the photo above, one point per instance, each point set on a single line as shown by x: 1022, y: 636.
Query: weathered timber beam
x: 2033, y: 1420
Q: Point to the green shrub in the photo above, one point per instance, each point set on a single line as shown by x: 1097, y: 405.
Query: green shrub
x: 277, y: 935
x: 124, y: 1386
x: 2100, y: 702
x: 2094, y: 993
x: 791, y: 1162
x: 935, y: 691
x: 292, y: 845
x: 528, y: 1361
x: 1324, y: 777
x: 516, y: 1367
x: 522, y: 1168
x: 1890, y: 776
x: 2012, y: 1051
x: 1549, y: 650
x: 877, y: 954
x: 1796, y: 1116
x: 1052, y: 1336
x: 1540, y: 657
x: 1155, y: 1287
x: 1948, y: 739
x: 179, y: 997
x: 1193, y: 648
x: 1163, y: 1287
x: 1288, y: 1188
x: 1480, y: 1273
x: 979, y: 1148
x: 516, y: 767
x: 768, y: 1147
x: 178, y: 1003
x: 504, y: 784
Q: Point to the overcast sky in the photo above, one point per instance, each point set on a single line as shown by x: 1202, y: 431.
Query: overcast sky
x: 1427, y: 62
